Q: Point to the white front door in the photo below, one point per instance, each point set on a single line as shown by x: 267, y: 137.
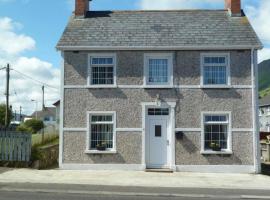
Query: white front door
x: 157, y: 141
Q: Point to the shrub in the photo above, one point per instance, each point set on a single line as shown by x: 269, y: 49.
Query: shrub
x: 24, y: 129
x: 32, y: 126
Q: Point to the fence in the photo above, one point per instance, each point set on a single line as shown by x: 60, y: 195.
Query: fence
x: 15, y: 146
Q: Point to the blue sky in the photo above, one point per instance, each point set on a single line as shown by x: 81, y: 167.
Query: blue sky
x: 30, y: 29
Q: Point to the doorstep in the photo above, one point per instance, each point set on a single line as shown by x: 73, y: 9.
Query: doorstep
x: 159, y: 170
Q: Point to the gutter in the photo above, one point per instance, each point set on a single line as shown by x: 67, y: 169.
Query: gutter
x: 106, y: 48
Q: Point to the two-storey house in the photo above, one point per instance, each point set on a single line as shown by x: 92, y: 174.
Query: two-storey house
x: 160, y: 89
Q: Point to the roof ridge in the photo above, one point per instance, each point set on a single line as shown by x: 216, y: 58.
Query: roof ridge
x: 173, y: 10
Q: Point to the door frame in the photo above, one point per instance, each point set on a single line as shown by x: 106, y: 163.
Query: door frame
x: 171, y: 131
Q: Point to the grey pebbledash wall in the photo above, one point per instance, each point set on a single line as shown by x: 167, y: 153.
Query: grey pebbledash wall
x: 187, y: 151
x: 129, y: 149
x: 130, y: 67
x: 127, y: 104
x: 129, y: 146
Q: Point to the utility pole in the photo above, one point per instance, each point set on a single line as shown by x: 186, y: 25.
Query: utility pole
x: 7, y: 95
x: 43, y: 109
x: 20, y: 114
x: 43, y: 101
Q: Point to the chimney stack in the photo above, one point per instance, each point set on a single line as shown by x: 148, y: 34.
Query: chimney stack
x: 234, y: 7
x: 81, y: 7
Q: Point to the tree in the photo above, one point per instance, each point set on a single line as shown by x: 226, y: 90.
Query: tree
x: 3, y: 114
x: 32, y: 126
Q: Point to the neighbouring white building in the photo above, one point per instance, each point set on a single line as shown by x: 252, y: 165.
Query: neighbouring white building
x: 264, y: 114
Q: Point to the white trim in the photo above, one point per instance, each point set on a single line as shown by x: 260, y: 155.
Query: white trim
x: 228, y: 69
x: 88, y: 135
x: 128, y: 129
x: 188, y: 129
x: 127, y: 167
x: 75, y: 129
x: 61, y: 124
x: 149, y: 86
x: 169, y: 57
x: 172, y: 106
x: 216, y: 168
x: 89, y: 70
x: 229, y: 145
x: 106, y: 48
x: 209, y: 152
x: 255, y: 106
x: 141, y: 129
x: 242, y: 129
x: 100, y: 152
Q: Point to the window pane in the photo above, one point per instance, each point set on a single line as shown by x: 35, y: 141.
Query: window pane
x: 216, y: 133
x: 215, y: 75
x: 96, y: 61
x: 102, y: 75
x: 102, y: 71
x: 212, y: 60
x: 158, y: 71
x: 215, y: 118
x: 101, y: 133
x: 158, y: 131
x: 101, y: 118
x: 158, y: 111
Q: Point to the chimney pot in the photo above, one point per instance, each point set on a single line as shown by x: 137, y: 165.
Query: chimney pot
x: 234, y: 7
x: 81, y: 7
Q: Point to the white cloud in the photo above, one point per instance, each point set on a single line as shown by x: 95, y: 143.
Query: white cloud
x: 23, y: 89
x: 259, y: 17
x: 264, y: 54
x: 10, y: 42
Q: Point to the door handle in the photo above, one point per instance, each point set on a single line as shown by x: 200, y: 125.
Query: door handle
x: 168, y: 142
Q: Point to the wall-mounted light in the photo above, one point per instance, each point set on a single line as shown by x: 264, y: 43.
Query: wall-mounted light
x: 158, y: 100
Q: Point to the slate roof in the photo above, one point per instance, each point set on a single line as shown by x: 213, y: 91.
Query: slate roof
x: 173, y: 28
x: 265, y: 101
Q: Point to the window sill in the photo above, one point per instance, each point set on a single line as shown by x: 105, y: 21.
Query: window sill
x: 101, y: 86
x: 100, y: 152
x: 158, y: 86
x: 216, y: 87
x: 209, y: 152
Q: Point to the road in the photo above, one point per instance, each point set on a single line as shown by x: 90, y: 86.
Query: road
x: 56, y: 196
x: 88, y: 192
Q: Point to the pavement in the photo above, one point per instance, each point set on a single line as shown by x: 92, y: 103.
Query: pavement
x: 136, y: 179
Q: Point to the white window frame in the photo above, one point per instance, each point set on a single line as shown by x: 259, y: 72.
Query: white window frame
x: 228, y: 70
x: 89, y: 77
x: 229, y: 139
x: 169, y: 57
x: 88, y: 133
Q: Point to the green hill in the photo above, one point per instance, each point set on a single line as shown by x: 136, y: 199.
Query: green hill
x: 264, y: 78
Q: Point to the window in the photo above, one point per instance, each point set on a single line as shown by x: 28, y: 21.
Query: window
x: 47, y: 119
x: 216, y: 132
x: 158, y: 70
x: 215, y: 69
x: 102, y: 130
x: 158, y: 111
x: 102, y: 70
